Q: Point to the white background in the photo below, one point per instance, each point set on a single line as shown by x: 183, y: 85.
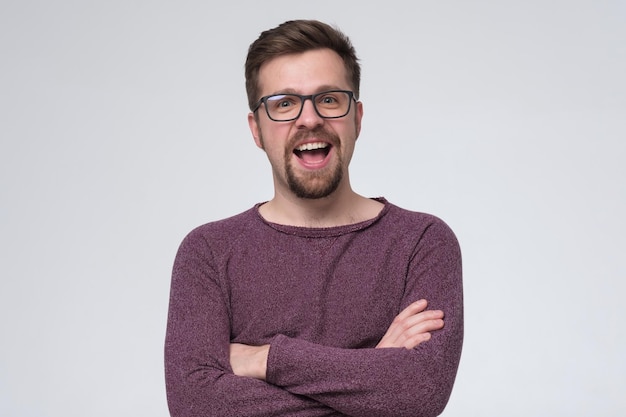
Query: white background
x: 123, y: 126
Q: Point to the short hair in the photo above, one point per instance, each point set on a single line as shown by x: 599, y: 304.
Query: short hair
x: 297, y: 36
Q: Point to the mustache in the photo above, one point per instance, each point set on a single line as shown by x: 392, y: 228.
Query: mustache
x: 317, y: 133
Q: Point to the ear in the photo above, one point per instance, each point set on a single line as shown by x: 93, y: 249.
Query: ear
x: 255, y: 130
x: 358, y: 116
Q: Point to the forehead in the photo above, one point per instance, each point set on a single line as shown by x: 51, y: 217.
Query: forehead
x: 304, y: 73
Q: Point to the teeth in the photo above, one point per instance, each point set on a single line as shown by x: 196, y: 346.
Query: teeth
x: 312, y: 146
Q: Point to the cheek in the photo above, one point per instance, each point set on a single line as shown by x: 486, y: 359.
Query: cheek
x: 273, y: 140
x: 274, y: 135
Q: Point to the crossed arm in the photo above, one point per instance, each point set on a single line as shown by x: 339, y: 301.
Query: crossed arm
x: 410, y: 372
x: 411, y: 327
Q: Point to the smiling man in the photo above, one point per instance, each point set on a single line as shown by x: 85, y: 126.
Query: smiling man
x: 320, y: 301
x: 309, y: 139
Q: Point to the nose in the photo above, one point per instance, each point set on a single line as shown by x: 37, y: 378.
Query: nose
x: 308, y: 117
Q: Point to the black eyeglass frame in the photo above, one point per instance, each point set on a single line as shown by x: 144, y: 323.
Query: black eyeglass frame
x: 303, y: 98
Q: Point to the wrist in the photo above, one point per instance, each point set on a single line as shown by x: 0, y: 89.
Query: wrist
x: 249, y: 361
x: 261, y: 356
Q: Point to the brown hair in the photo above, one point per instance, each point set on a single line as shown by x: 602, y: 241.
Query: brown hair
x: 296, y: 36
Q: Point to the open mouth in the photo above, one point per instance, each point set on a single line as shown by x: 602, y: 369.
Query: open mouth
x: 312, y: 153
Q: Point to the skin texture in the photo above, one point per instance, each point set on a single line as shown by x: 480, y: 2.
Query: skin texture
x: 331, y: 200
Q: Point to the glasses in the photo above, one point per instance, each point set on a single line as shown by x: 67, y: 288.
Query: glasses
x: 287, y: 107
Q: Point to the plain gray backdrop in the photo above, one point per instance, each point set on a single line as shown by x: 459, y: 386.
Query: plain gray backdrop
x: 123, y: 126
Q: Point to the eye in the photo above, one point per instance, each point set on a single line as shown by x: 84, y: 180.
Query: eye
x: 283, y: 102
x: 328, y: 99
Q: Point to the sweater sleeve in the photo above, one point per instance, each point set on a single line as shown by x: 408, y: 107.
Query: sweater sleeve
x: 391, y: 381
x: 199, y: 379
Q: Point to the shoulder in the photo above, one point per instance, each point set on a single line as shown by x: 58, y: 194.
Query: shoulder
x: 419, y: 227
x: 220, y: 232
x: 414, y: 219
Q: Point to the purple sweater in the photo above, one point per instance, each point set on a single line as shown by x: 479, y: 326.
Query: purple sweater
x: 322, y: 298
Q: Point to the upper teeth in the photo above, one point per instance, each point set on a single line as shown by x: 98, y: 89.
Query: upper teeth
x: 311, y: 146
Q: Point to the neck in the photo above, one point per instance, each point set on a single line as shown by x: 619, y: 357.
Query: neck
x: 342, y: 207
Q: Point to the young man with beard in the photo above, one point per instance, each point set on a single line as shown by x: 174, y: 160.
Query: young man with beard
x: 318, y: 302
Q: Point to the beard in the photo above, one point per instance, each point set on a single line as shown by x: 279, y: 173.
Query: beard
x: 313, y: 184
x: 316, y: 184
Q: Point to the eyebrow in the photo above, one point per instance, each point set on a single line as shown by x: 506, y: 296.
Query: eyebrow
x: 318, y: 90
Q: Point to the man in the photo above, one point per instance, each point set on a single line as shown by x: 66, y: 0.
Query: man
x: 318, y: 302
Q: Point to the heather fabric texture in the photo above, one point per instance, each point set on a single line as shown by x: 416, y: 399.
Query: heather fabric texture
x: 322, y: 298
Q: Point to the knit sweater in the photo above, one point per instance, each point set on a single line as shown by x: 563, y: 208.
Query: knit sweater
x: 322, y: 298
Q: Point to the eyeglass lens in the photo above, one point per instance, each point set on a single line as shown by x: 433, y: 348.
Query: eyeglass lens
x: 330, y: 104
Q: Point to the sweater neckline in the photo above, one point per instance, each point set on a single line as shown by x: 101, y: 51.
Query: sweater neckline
x: 322, y: 232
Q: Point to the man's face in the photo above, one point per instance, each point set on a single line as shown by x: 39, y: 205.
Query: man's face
x: 309, y: 155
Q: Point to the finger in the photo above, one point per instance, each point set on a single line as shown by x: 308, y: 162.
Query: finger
x: 395, y: 329
x: 419, y: 333
x: 409, y: 317
x: 411, y: 322
x: 401, y: 325
x: 412, y: 309
x: 413, y: 334
x: 424, y: 327
x: 416, y: 340
x: 421, y: 317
